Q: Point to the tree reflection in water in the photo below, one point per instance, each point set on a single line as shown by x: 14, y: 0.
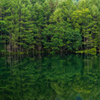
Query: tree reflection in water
x: 50, y: 78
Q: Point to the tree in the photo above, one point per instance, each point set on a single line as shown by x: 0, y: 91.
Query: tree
x: 63, y: 11
x: 61, y: 37
x: 26, y: 33
x: 82, y: 20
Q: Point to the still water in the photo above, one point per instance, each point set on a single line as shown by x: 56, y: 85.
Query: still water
x: 66, y: 77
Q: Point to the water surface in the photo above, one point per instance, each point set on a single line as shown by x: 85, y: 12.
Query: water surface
x: 66, y: 77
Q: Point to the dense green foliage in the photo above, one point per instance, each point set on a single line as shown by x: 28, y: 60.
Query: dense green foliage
x: 49, y: 25
x: 50, y: 78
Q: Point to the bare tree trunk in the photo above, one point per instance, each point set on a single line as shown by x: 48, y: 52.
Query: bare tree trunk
x: 9, y: 44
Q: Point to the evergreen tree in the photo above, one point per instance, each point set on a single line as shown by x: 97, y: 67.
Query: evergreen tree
x: 2, y: 29
x: 25, y: 25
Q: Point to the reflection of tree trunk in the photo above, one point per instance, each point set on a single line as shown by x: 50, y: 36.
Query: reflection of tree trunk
x: 9, y: 60
x: 9, y: 46
x: 88, y: 64
x: 61, y: 50
x: 39, y: 48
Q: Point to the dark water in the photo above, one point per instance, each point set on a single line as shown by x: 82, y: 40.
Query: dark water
x: 66, y: 77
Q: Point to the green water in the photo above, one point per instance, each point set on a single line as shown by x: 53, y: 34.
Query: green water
x: 66, y: 77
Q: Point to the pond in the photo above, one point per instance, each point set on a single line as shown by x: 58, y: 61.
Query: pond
x: 58, y: 77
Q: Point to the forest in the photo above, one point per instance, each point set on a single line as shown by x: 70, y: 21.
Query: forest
x: 52, y: 26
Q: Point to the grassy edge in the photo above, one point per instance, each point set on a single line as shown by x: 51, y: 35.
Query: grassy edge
x: 89, y: 51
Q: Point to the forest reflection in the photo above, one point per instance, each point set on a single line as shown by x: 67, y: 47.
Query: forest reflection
x: 66, y: 77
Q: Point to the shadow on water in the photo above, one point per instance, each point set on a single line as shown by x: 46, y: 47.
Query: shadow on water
x: 50, y: 78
